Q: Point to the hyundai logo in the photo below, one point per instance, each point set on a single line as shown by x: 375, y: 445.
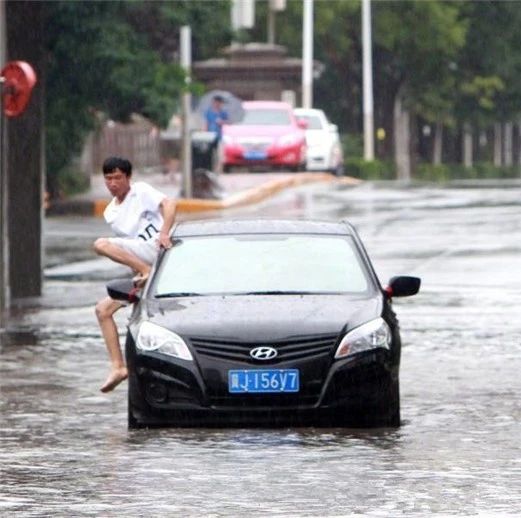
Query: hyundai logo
x: 263, y: 353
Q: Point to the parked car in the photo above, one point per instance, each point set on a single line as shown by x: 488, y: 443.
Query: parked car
x: 324, y: 149
x: 268, y: 137
x: 264, y: 322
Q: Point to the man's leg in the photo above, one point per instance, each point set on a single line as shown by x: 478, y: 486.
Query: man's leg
x: 105, y: 310
x: 103, y: 246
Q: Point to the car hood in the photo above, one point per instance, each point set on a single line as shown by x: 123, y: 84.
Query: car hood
x: 258, y: 318
x: 246, y: 131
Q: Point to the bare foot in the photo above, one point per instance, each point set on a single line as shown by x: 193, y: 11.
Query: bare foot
x: 116, y: 376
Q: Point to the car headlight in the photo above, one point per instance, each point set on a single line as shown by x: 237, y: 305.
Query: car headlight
x: 152, y: 337
x: 289, y: 139
x: 374, y: 334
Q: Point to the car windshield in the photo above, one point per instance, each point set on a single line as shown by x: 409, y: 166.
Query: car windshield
x: 313, y: 122
x: 269, y: 117
x: 261, y: 264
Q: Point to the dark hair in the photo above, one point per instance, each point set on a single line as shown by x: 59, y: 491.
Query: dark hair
x: 115, y: 162
x: 218, y: 98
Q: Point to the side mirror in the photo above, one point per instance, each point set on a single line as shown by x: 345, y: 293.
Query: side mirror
x: 403, y: 286
x: 123, y: 289
x: 333, y: 128
x: 302, y: 124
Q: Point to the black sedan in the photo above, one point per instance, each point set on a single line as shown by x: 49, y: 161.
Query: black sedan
x: 263, y: 323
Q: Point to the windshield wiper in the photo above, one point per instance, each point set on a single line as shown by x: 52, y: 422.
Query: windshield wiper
x: 275, y: 292
x: 177, y: 294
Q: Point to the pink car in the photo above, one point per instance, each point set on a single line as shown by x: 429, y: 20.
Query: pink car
x: 269, y: 136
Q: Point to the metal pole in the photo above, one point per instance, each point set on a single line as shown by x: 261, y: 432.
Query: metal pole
x: 367, y: 81
x: 186, y: 61
x: 307, y: 55
x: 271, y: 26
x: 4, y: 248
x: 4, y: 239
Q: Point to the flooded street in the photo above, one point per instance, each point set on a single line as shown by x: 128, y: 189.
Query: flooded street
x: 65, y: 449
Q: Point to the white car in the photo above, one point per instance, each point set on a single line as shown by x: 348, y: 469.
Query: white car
x: 324, y: 150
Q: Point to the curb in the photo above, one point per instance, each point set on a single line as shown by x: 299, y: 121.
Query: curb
x: 254, y: 194
x: 190, y: 205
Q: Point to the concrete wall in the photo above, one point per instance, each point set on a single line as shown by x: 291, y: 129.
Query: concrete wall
x: 252, y: 71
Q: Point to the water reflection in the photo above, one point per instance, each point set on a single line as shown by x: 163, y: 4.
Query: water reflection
x: 18, y: 337
x: 65, y: 449
x: 270, y: 438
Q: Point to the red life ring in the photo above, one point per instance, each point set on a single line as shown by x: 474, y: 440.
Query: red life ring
x: 19, y: 79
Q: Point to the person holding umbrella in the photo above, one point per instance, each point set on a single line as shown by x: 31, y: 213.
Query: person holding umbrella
x: 215, y: 116
x: 216, y: 108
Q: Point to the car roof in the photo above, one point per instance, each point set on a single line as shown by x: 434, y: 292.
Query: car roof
x: 261, y: 226
x: 253, y: 105
x: 310, y: 111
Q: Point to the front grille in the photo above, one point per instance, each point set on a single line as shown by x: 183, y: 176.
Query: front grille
x: 291, y: 349
x: 255, y: 147
x: 266, y: 401
x: 255, y: 143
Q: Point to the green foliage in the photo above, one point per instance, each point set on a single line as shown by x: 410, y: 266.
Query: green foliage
x: 117, y: 58
x: 456, y: 62
x: 378, y: 170
x: 489, y: 66
x: 417, y: 44
x: 352, y: 144
x: 482, y: 91
x: 435, y: 173
x: 369, y: 170
x: 479, y: 171
x: 337, y: 48
x: 70, y: 182
x: 488, y: 170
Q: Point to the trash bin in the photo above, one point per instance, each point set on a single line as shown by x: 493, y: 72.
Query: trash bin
x: 204, y: 145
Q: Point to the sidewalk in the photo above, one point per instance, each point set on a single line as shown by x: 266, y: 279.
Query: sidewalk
x: 237, y: 189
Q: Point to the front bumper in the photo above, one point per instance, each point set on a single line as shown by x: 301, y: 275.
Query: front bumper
x: 290, y: 156
x: 317, y: 161
x: 164, y: 390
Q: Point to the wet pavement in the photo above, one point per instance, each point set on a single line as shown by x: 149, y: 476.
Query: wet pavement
x: 65, y: 449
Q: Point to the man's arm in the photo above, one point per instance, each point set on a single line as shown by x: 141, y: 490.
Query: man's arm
x: 167, y: 207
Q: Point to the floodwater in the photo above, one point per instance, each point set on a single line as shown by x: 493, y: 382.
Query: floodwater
x: 65, y: 449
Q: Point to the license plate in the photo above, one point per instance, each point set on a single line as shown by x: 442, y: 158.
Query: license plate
x: 255, y: 155
x: 263, y: 380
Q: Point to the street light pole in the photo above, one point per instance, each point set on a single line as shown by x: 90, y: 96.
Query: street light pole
x: 271, y: 26
x: 367, y: 81
x: 273, y: 7
x: 186, y: 62
x: 307, y: 55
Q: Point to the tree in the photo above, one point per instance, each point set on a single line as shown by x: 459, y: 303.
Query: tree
x: 490, y: 68
x: 415, y: 46
x: 337, y: 46
x: 117, y: 58
x: 446, y: 63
